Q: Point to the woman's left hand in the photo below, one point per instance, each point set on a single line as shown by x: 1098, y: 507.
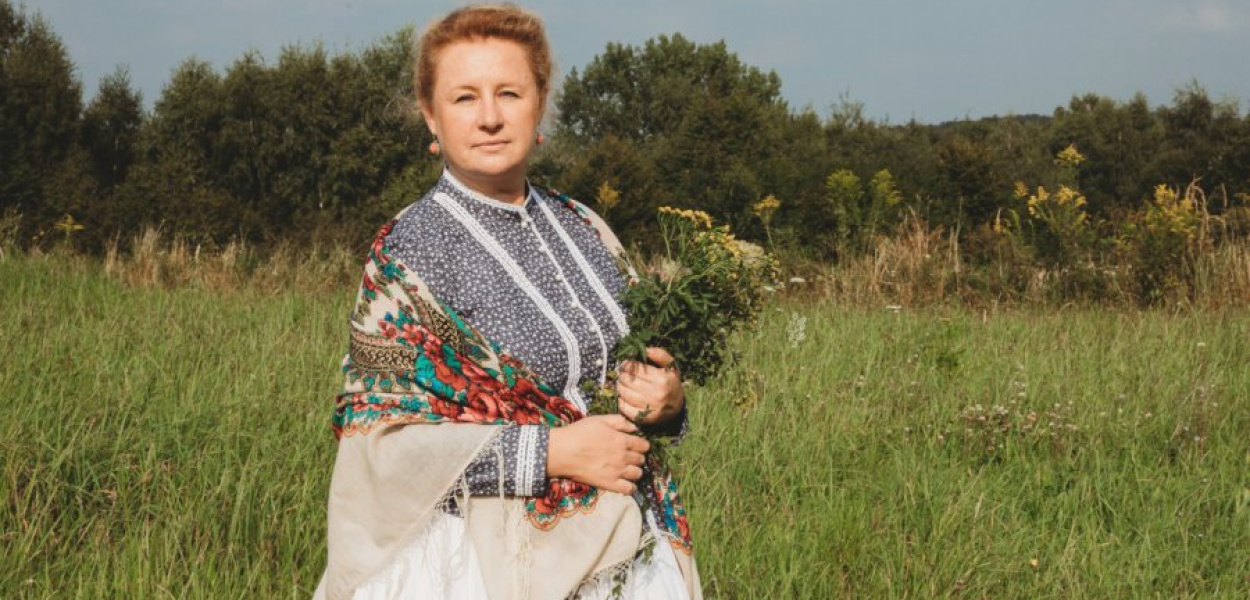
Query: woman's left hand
x: 656, y: 390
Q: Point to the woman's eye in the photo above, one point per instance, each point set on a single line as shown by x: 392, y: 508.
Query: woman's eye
x: 463, y: 98
x: 511, y: 94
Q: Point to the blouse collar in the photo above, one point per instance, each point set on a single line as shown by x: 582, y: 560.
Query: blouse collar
x: 476, y: 196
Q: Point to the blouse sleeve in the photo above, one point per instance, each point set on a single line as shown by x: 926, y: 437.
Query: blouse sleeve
x: 521, y: 452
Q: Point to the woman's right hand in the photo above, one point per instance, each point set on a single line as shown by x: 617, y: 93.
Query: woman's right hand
x: 599, y: 451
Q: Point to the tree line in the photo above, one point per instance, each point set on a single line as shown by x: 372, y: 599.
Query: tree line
x: 315, y: 147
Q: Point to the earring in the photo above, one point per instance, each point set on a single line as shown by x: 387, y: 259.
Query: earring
x: 539, y: 141
x: 434, y: 148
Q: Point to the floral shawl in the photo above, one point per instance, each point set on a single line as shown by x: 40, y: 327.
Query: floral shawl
x: 413, y: 364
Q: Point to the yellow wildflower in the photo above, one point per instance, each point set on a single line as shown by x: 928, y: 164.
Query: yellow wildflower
x: 1021, y: 191
x: 1037, y: 200
x: 1173, y: 212
x: 1067, y: 195
x: 765, y: 208
x: 1165, y: 195
x: 1069, y: 157
x: 697, y: 217
x: 607, y: 197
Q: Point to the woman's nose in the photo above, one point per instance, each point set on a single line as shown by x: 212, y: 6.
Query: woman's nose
x: 489, y: 115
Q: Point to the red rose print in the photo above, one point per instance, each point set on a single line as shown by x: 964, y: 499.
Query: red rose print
x: 412, y: 333
x: 389, y: 330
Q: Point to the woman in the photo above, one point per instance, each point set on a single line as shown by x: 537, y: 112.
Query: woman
x: 466, y: 466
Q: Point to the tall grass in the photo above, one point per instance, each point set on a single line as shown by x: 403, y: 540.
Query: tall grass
x: 916, y: 265
x: 923, y: 266
x: 1082, y: 454
x: 156, y: 260
x: 174, y: 442
x: 161, y: 443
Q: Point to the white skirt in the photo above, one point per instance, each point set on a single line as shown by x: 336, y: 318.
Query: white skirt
x: 439, y: 564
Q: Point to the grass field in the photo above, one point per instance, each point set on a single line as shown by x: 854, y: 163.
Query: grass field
x: 176, y: 444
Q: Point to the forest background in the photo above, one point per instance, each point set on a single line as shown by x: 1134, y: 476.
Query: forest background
x: 1007, y: 358
x: 313, y: 150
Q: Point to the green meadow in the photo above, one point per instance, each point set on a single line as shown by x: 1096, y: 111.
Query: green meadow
x: 175, y: 443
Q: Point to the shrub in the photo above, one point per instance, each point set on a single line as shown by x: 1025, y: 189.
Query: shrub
x: 861, y: 212
x: 1164, y: 241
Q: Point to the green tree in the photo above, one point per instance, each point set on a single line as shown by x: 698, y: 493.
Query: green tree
x: 1201, y: 140
x: 1121, y: 141
x: 972, y: 178
x: 176, y: 182
x: 704, y: 124
x: 110, y: 128
x: 40, y: 110
x: 314, y: 145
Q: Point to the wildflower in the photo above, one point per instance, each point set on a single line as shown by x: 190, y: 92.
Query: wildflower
x: 1021, y: 191
x: 1069, y: 157
x: 698, y: 217
x: 671, y: 270
x: 1037, y: 200
x: 68, y: 226
x: 796, y: 331
x: 765, y: 208
x: 748, y: 252
x: 607, y: 197
x: 1173, y: 213
x: 1068, y: 196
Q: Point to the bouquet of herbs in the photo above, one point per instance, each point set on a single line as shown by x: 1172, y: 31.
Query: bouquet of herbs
x: 703, y: 287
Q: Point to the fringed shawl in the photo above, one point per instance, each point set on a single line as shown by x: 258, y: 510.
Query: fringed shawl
x: 424, y: 393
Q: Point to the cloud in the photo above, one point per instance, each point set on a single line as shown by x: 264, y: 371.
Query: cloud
x: 1212, y: 17
x: 1202, y: 16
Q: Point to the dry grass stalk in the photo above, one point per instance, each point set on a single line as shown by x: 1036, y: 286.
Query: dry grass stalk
x: 160, y: 262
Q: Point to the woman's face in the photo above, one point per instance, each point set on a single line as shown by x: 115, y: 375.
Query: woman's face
x: 485, y: 111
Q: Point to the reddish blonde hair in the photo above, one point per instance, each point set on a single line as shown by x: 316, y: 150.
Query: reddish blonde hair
x: 500, y: 21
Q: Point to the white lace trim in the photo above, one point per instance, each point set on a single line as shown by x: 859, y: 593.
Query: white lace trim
x: 527, y: 453
x: 574, y: 300
x: 483, y: 198
x: 601, y: 290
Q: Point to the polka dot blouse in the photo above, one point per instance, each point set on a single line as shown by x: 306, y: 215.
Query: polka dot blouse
x: 533, y: 277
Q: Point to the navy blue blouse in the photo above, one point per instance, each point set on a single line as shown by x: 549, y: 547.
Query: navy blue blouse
x: 534, y: 278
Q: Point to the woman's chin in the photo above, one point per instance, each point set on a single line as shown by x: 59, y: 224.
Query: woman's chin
x: 496, y: 169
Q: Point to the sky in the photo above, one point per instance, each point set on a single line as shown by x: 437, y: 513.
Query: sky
x: 927, y: 60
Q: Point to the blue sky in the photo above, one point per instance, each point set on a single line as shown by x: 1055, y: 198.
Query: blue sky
x: 927, y: 59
